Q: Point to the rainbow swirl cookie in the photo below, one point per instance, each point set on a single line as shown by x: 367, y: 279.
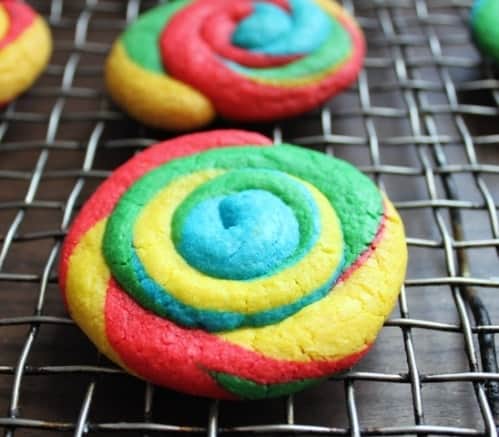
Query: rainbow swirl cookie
x: 485, y: 26
x: 183, y: 62
x: 25, y: 48
x: 220, y: 265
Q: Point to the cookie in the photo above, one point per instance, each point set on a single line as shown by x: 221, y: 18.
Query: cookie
x: 25, y: 48
x: 220, y: 265
x: 485, y: 26
x: 182, y: 63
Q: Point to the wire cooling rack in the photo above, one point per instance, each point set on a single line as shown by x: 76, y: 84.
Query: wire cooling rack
x: 422, y: 120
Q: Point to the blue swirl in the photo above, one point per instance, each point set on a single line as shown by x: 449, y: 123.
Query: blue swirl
x: 271, y: 30
x: 254, y: 207
x: 166, y: 305
x: 239, y: 236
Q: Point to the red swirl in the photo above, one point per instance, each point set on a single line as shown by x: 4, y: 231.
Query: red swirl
x: 145, y: 342
x: 20, y: 16
x: 218, y: 29
x: 194, y: 40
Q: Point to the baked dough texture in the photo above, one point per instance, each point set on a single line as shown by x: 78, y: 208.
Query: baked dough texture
x: 25, y: 48
x: 221, y: 265
x: 182, y: 63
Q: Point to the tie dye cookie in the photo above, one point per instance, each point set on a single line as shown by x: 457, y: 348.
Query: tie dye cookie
x: 182, y: 63
x: 220, y: 265
x: 485, y: 26
x: 25, y: 48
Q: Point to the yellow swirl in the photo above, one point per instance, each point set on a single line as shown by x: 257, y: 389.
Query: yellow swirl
x: 22, y: 60
x: 166, y: 266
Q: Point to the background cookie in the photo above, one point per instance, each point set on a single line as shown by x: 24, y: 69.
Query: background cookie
x: 485, y: 25
x: 25, y: 48
x: 241, y: 306
x: 181, y: 63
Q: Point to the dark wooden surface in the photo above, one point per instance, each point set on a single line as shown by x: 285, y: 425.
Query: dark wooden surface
x: 120, y: 398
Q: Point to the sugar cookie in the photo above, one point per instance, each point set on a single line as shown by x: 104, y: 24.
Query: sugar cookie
x: 25, y: 48
x: 183, y: 62
x: 221, y: 265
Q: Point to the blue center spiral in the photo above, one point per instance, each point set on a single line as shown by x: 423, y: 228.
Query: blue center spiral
x: 273, y: 31
x: 239, y: 236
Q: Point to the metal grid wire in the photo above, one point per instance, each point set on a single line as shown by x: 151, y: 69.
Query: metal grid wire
x: 422, y: 120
